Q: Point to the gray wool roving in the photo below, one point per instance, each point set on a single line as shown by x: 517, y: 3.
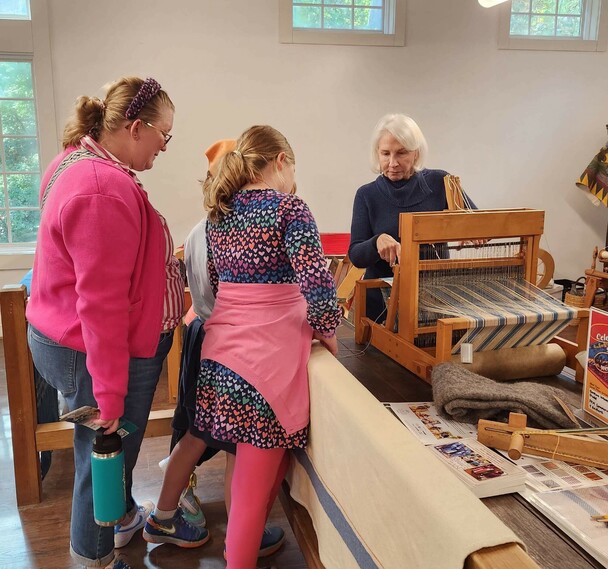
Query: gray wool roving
x: 467, y: 397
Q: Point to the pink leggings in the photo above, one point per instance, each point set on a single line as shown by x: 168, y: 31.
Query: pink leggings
x: 258, y: 474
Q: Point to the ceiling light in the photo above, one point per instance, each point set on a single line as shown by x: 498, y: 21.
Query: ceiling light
x: 490, y: 3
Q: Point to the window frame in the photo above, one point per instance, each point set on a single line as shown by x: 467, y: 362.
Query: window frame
x: 287, y: 33
x: 552, y: 43
x: 28, y: 40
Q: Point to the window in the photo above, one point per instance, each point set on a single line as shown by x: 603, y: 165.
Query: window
x: 19, y: 213
x: 346, y: 22
x: 15, y: 10
x: 26, y: 112
x: 571, y: 25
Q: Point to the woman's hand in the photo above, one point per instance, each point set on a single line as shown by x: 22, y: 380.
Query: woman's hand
x: 475, y: 242
x: 330, y: 343
x: 109, y: 426
x: 388, y: 249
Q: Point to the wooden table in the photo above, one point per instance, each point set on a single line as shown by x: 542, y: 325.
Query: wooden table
x: 390, y: 382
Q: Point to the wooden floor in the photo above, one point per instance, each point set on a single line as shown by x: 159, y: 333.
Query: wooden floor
x: 38, y: 536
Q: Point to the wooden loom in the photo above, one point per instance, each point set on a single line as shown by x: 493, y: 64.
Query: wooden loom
x: 416, y: 229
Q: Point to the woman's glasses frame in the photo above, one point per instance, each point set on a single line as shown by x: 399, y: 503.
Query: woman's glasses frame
x: 166, y: 135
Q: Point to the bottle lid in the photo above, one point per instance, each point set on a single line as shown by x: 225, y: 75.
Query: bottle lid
x: 107, y: 444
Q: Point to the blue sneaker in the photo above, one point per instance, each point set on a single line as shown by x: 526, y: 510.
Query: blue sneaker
x: 120, y: 563
x: 191, y: 505
x: 272, y: 540
x: 175, y: 530
x: 124, y: 533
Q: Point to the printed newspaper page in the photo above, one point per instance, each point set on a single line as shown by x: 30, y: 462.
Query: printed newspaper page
x: 485, y: 472
x: 423, y: 420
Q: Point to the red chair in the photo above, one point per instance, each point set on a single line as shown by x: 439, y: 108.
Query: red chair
x: 335, y: 248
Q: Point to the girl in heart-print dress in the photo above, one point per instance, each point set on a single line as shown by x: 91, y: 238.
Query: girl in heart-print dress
x: 274, y: 295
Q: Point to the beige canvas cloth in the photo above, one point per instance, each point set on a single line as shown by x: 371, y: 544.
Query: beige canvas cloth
x: 377, y: 497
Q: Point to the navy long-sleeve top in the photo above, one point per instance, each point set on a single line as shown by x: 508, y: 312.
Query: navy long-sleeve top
x: 376, y: 210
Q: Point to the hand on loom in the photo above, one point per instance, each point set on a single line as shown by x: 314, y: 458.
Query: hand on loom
x: 475, y: 242
x: 388, y: 249
x: 330, y: 343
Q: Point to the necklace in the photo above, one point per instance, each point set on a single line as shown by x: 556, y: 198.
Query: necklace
x: 262, y: 185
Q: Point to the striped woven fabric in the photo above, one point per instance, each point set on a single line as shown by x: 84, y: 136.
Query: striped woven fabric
x: 504, y: 313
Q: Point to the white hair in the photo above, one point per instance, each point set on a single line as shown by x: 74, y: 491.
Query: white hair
x: 406, y: 131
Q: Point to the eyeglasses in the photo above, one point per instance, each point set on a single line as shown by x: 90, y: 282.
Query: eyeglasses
x: 166, y: 135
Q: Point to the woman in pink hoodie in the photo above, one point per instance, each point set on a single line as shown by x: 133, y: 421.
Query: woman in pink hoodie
x: 107, y: 291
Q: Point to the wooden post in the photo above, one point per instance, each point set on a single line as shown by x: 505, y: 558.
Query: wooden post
x: 21, y: 395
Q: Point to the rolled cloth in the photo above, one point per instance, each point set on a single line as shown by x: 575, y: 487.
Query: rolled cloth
x: 517, y: 363
x: 467, y: 397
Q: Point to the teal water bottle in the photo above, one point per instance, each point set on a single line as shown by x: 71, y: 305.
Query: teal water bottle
x: 108, y: 473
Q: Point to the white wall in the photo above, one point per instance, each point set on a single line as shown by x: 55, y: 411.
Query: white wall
x: 518, y: 127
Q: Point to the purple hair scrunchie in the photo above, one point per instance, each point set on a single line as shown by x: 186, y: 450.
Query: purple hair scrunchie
x: 148, y: 89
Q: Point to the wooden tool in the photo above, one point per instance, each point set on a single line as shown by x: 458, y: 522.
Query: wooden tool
x: 570, y: 445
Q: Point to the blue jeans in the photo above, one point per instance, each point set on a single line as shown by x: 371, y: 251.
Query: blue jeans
x: 47, y: 411
x: 65, y: 369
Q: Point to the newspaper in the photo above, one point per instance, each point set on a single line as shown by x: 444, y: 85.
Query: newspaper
x: 423, y: 420
x: 485, y: 472
x: 481, y: 469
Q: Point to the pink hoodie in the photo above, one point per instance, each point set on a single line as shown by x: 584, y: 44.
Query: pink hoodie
x: 260, y: 332
x: 99, y: 273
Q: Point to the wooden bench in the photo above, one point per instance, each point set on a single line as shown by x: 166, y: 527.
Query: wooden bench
x: 29, y: 437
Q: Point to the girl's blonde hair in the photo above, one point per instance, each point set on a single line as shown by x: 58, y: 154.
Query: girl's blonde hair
x: 257, y: 147
x: 93, y: 116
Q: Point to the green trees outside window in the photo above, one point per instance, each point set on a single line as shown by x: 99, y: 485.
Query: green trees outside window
x: 20, y: 164
x: 547, y: 18
x: 358, y: 15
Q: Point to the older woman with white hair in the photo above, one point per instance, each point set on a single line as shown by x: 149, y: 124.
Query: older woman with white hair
x: 404, y: 185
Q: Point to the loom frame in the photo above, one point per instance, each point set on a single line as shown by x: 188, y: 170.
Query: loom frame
x: 416, y: 229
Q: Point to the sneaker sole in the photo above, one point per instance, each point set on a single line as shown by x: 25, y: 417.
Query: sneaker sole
x: 268, y: 551
x: 200, y: 521
x: 174, y: 540
x: 272, y: 548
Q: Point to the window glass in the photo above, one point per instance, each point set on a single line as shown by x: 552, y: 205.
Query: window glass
x: 548, y: 18
x: 24, y: 225
x: 15, y: 10
x: 363, y: 15
x: 19, y: 153
x: 343, y: 22
x: 307, y: 17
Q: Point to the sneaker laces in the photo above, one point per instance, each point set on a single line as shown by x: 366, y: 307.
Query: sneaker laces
x: 184, y: 520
